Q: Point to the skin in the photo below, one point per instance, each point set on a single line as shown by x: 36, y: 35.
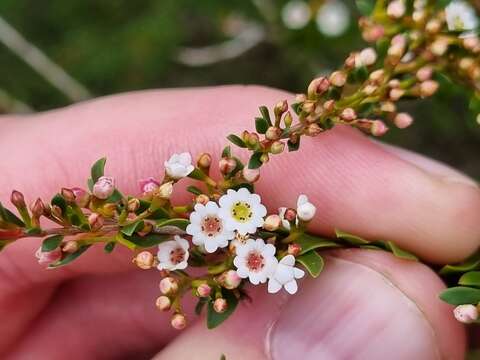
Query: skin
x: 366, y: 304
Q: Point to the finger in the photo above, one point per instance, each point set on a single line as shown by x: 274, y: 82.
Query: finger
x: 366, y: 305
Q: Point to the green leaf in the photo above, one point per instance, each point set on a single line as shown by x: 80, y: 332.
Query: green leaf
x: 59, y: 201
x: 132, y: 228
x: 98, y: 169
x: 178, y: 222
x: 349, y: 238
x: 213, y: 318
x: 265, y: 114
x: 197, y: 174
x: 194, y: 190
x: 472, y: 263
x: 255, y: 161
x: 70, y: 257
x: 261, y: 125
x: 365, y: 6
x: 471, y: 278
x: 147, y: 241
x: 109, y: 247
x: 297, y: 108
x: 10, y: 217
x: 34, y: 231
x: 158, y: 214
x: 293, y: 146
x: 400, y: 253
x: 115, y: 197
x: 310, y: 242
x: 236, y: 140
x: 460, y: 295
x: 312, y: 261
x: 227, y: 152
x: 51, y: 243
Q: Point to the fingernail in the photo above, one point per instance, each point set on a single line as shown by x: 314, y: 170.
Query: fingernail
x: 436, y: 168
x: 354, y: 313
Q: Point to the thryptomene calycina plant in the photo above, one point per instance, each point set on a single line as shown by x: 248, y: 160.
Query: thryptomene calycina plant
x: 225, y: 230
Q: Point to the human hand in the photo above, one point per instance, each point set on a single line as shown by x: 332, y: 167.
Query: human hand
x: 365, y: 305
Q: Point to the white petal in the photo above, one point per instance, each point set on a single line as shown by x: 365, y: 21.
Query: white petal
x: 244, y: 193
x: 298, y: 273
x: 199, y: 209
x: 291, y: 287
x: 185, y: 158
x: 182, y: 242
x: 302, y: 199
x: 181, y: 266
x: 242, y: 272
x: 269, y: 250
x: 274, y: 286
x: 288, y: 260
x: 255, y: 278
x: 212, y: 208
x: 260, y: 210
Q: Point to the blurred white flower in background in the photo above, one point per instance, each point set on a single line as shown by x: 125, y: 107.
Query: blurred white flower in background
x: 296, y: 14
x: 333, y: 18
x: 461, y: 16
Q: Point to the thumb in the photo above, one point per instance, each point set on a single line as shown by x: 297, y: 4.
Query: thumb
x: 366, y: 305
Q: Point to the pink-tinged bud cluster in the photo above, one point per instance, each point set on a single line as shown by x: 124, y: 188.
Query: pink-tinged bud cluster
x: 220, y: 305
x: 104, y: 187
x: 179, y: 321
x: 149, y: 185
x: 168, y: 285
x: 466, y: 314
x: 50, y: 257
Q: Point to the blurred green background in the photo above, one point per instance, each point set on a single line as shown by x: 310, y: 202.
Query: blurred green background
x: 119, y: 45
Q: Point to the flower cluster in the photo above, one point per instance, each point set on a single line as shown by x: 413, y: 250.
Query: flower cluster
x: 224, y: 230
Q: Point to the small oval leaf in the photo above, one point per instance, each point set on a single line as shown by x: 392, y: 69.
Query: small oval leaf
x: 312, y: 261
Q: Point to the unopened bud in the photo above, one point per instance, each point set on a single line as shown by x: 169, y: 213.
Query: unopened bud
x: 68, y: 195
x: 466, y: 63
x: 49, y: 257
x: 277, y: 147
x: 96, y: 221
x: 338, y: 78
x: 264, y: 158
x: 204, y: 161
x: 308, y: 106
x: 329, y: 105
x: 348, y: 114
x: 220, y: 305
x: 439, y: 47
x: 396, y: 94
x: 471, y: 42
x: 253, y: 139
x: 403, y: 120
x: 313, y: 130
x: 294, y: 249
x: 394, y: 83
x: 82, y: 197
x: 104, y: 187
x: 273, y: 133
x: 428, y: 88
x: 56, y: 211
x: 350, y: 61
x: 149, y: 185
x: 251, y: 175
x: 163, y: 303
x: 366, y: 57
x: 280, y: 108
x: 37, y: 208
x: 133, y: 205
x: 424, y: 73
x: 370, y: 89
x: 204, y: 290
x: 433, y: 26
x: 202, y: 199
x: 378, y: 128
x: 287, y: 119
x: 17, y: 199
x: 144, y: 260
x: 377, y: 76
x: 178, y: 322
x: 466, y: 314
x: 290, y: 215
x: 168, y: 285
x: 373, y: 33
x: 229, y: 279
x: 272, y: 223
x: 70, y: 247
x: 226, y: 165
x: 396, y: 9
x: 300, y: 98
x: 165, y: 190
x: 318, y: 86
x: 388, y: 106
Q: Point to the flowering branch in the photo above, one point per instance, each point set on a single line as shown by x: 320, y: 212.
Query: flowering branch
x: 225, y: 229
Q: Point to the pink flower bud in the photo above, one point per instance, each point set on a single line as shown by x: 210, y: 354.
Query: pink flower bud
x: 70, y: 247
x: 471, y: 42
x: 168, y: 285
x: 433, y: 26
x: 281, y: 107
x: 366, y: 57
x: 396, y: 94
x: 396, y: 9
x: 377, y: 75
x: 428, y: 88
x: 250, y: 175
x: 388, y: 106
x: 144, y: 260
x: 95, y: 221
x: 329, y: 105
x: 226, y: 166
x: 104, y: 187
x: 229, y: 279
x: 202, y: 199
x: 149, y: 185
x: 47, y: 258
x: 165, y: 191
x: 403, y: 120
x: 290, y: 215
x: 178, y: 322
x: 17, y: 199
x: 338, y: 78
x: 373, y: 33
x: 163, y: 303
x: 318, y: 86
x: 273, y: 133
x: 272, y: 222
x: 82, y: 198
x: 277, y: 147
x: 348, y: 114
x: 133, y: 205
x: 466, y: 314
x: 204, y: 290
x: 204, y: 161
x: 37, y: 208
x: 294, y: 249
x: 68, y: 195
x: 378, y: 128
x: 313, y: 130
x: 424, y: 73
x: 220, y: 305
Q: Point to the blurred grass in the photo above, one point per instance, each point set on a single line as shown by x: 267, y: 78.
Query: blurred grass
x: 119, y: 45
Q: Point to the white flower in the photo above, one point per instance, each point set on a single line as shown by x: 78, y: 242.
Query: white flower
x: 333, y: 18
x: 281, y: 213
x: 179, y: 165
x: 207, y: 228
x: 296, y: 14
x: 173, y: 254
x: 255, y: 260
x: 305, y: 209
x: 461, y: 16
x: 285, y: 275
x: 242, y: 211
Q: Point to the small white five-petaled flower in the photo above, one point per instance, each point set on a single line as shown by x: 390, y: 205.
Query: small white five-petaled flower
x: 285, y: 275
x: 179, y: 165
x: 242, y: 211
x: 461, y: 16
x: 305, y: 209
x: 207, y: 228
x: 173, y: 254
x: 255, y: 260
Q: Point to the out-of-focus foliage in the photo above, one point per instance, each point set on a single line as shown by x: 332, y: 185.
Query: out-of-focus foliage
x: 121, y: 45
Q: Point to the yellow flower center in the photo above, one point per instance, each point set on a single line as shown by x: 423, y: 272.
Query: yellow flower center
x: 241, y: 211
x: 458, y: 23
